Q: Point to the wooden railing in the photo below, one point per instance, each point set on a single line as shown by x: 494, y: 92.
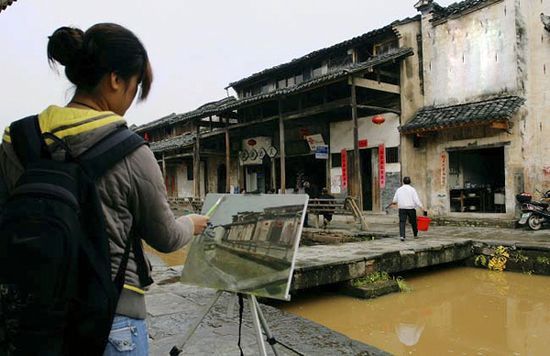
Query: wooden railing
x: 337, y: 206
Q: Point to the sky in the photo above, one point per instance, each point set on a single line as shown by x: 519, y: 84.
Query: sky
x: 196, y: 47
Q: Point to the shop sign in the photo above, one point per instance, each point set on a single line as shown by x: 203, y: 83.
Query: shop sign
x: 253, y: 154
x: 443, y: 169
x: 314, y: 140
x: 321, y: 152
x: 363, y: 143
x: 255, y: 148
x: 344, y: 158
x: 261, y: 153
x: 382, y: 165
x: 243, y: 155
x: 272, y: 151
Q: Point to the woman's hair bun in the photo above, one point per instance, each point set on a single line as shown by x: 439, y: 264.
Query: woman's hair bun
x: 65, y: 46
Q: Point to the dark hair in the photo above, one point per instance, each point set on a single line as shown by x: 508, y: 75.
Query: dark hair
x: 407, y: 180
x: 103, y: 49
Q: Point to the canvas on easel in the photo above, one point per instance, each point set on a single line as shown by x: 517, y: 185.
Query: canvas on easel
x: 248, y: 248
x: 250, y: 244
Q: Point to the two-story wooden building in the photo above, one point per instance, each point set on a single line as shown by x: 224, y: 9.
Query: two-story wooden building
x: 456, y: 98
x: 329, y: 117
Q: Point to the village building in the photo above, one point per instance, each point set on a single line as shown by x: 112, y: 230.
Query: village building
x: 454, y: 98
x: 329, y: 117
x: 478, y: 138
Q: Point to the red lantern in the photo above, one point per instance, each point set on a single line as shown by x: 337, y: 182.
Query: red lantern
x: 146, y: 136
x: 378, y: 120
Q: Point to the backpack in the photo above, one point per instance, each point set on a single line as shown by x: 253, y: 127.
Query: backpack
x: 56, y: 290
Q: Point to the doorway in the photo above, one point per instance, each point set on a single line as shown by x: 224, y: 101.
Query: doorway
x: 222, y: 175
x: 477, y: 180
x: 366, y: 177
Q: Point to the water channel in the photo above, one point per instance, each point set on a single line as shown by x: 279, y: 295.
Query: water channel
x: 455, y: 311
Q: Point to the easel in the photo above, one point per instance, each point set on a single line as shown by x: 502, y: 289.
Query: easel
x: 257, y: 317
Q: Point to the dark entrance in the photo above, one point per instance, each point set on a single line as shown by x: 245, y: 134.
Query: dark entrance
x: 476, y: 180
x: 222, y: 175
x: 306, y: 167
x: 366, y: 177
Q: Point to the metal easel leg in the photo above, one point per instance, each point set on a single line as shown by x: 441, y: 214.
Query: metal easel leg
x: 264, y: 325
x: 177, y: 350
x: 257, y: 327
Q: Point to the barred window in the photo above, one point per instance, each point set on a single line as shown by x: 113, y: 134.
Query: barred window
x: 392, y: 154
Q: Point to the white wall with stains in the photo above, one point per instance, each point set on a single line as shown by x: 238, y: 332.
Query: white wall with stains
x: 473, y: 56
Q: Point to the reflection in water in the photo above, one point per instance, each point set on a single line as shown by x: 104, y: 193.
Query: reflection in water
x: 459, y: 310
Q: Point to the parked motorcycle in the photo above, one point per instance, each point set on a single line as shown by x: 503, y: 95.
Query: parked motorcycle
x: 534, y: 213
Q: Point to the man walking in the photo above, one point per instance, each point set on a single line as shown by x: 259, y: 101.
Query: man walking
x: 407, y: 201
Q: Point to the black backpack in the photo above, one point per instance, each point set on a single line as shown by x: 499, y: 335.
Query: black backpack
x: 56, y: 290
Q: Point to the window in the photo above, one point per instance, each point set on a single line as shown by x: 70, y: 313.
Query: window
x: 392, y: 154
x: 385, y: 47
x: 336, y: 160
x: 317, y: 72
x: 290, y: 81
x: 307, y: 74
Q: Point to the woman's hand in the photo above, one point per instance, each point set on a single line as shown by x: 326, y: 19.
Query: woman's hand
x: 199, y: 223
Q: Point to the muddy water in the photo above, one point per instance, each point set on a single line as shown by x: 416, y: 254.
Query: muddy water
x: 171, y: 259
x: 457, y: 311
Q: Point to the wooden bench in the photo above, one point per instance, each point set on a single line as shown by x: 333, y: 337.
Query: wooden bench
x: 336, y: 206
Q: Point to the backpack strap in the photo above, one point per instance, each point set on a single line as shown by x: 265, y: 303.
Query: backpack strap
x: 27, y: 141
x: 102, y: 156
x: 96, y: 162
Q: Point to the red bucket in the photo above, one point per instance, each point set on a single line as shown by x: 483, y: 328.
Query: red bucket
x: 423, y: 223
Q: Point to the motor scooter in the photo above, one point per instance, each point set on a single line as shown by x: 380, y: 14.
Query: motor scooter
x: 534, y: 213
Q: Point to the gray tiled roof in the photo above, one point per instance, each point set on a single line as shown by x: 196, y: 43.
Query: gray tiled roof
x: 336, y: 73
x: 205, y: 110
x: 231, y: 103
x: 458, y: 8
x: 172, y: 143
x: 5, y: 3
x: 480, y: 112
x: 324, y: 51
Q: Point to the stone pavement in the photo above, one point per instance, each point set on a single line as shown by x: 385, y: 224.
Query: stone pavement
x: 172, y: 307
x: 521, y: 235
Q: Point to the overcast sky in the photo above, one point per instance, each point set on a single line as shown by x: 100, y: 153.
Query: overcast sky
x: 196, y: 47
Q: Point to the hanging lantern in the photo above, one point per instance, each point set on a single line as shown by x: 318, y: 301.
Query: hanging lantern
x: 146, y: 136
x: 378, y: 120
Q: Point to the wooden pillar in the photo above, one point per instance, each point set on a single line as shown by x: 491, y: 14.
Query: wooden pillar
x: 273, y: 175
x: 358, y: 189
x: 163, y: 167
x: 329, y: 161
x: 197, y: 164
x: 282, y: 147
x: 227, y: 156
